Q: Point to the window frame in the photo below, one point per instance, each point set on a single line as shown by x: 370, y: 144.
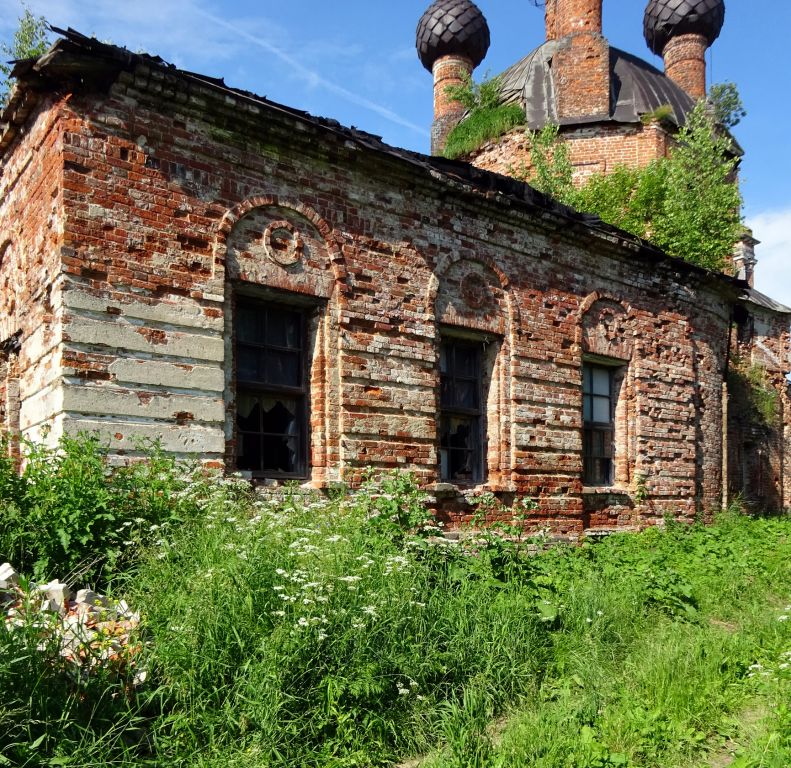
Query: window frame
x: 449, y: 410
x: 261, y: 388
x: 592, y: 475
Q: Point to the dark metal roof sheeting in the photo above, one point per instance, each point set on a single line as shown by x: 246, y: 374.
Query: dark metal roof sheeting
x: 666, y: 19
x: 762, y: 300
x: 452, y: 27
x: 637, y: 88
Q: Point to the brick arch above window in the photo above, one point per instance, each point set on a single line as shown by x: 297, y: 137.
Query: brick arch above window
x: 605, y: 328
x: 280, y: 243
x: 475, y: 294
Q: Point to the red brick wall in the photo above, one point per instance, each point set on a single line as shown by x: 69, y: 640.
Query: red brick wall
x: 167, y: 188
x: 30, y: 235
x: 685, y: 63
x: 573, y: 17
x: 593, y: 149
x: 581, y: 73
x: 581, y: 65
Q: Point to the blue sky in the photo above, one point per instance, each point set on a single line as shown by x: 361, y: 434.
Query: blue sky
x: 355, y: 61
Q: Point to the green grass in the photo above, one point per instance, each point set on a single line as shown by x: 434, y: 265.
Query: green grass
x: 308, y: 631
x: 480, y: 126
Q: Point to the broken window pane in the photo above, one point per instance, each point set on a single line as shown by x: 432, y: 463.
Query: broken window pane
x: 271, y: 408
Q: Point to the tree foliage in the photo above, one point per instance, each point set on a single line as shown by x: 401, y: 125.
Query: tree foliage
x: 727, y: 104
x: 701, y: 215
x: 30, y: 39
x: 688, y: 203
x: 551, y: 162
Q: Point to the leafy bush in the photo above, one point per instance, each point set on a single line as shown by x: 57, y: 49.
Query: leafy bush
x: 687, y: 203
x: 297, y: 629
x: 550, y: 158
x: 72, y: 515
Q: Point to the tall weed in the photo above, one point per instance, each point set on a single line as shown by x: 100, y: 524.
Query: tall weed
x: 71, y: 515
x: 300, y: 629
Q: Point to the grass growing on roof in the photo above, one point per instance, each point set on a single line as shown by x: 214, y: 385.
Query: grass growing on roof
x: 487, y: 117
x: 481, y: 126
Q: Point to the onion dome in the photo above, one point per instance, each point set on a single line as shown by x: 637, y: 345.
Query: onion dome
x: 452, y: 28
x: 666, y: 19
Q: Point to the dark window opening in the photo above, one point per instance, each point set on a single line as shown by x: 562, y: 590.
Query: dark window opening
x: 461, y: 441
x: 271, y: 391
x: 598, y: 424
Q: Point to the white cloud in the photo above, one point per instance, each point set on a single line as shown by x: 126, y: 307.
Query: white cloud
x: 773, y: 270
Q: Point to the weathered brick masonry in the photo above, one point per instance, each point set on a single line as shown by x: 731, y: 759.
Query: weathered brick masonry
x: 593, y: 149
x: 613, y: 109
x: 136, y: 217
x: 759, y: 460
x: 31, y: 195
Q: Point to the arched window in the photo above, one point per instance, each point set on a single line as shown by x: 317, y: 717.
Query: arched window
x: 280, y: 276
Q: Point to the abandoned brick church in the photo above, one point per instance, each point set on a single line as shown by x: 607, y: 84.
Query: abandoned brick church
x: 291, y: 299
